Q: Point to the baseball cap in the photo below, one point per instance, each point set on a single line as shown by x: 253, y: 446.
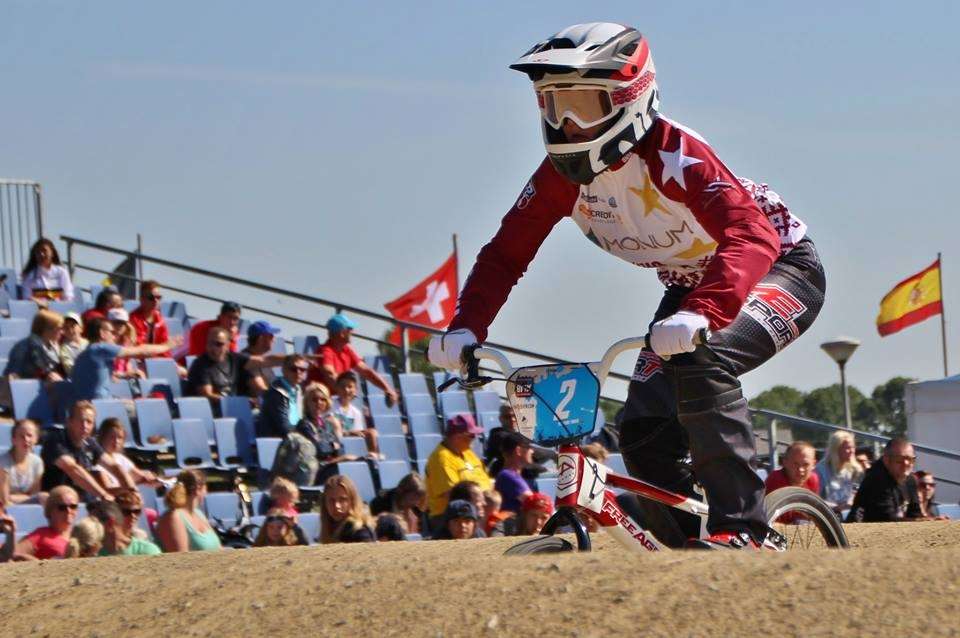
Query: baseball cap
x: 340, y: 322
x: 229, y: 306
x: 460, y: 509
x: 463, y: 424
x: 258, y: 328
x: 118, y: 314
x: 74, y: 317
x: 537, y: 501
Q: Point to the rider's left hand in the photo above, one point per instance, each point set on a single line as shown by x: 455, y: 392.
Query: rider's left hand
x: 676, y: 333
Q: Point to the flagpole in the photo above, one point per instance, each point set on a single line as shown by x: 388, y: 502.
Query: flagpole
x: 943, y: 316
x: 456, y: 261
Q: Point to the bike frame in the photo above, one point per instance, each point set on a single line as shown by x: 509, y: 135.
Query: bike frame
x: 586, y: 486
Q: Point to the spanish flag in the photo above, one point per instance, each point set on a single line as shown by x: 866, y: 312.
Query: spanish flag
x: 911, y: 301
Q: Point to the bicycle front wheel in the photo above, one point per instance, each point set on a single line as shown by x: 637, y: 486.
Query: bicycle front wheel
x: 803, y: 519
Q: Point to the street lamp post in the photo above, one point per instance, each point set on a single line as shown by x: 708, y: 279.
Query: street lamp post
x: 840, y: 350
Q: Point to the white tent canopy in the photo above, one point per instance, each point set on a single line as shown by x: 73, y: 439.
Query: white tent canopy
x: 933, y: 419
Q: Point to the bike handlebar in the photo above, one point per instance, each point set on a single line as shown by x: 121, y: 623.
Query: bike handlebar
x: 473, y: 354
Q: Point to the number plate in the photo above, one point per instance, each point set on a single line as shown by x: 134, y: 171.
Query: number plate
x: 554, y: 403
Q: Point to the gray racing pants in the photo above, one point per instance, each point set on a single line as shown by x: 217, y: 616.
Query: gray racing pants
x: 686, y: 420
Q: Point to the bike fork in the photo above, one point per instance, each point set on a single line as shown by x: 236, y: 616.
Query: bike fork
x: 568, y: 516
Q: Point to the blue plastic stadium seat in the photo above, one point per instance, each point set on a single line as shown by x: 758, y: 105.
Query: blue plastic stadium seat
x: 419, y: 404
x: 18, y: 328
x: 422, y: 466
x: 192, y: 448
x: 6, y: 436
x: 63, y: 307
x: 164, y: 368
x: 394, y: 448
x: 310, y: 524
x: 615, y: 463
x: 23, y: 309
x: 9, y: 277
x: 413, y: 383
x: 233, y: 448
x: 439, y: 376
x: 486, y: 401
x: 153, y: 387
x: 279, y: 345
x: 153, y: 417
x: 453, y: 402
x: 953, y: 511
x: 115, y: 408
x: 355, y: 445
x: 6, y: 345
x: 425, y: 444
x: 239, y: 409
x: 175, y: 328
x: 258, y: 502
x: 120, y: 389
x: 359, y: 473
x: 30, y: 401
x: 391, y: 472
x: 548, y: 485
x: 306, y: 344
x: 378, y: 406
x: 388, y: 425
x: 28, y: 518
x: 197, y: 408
x: 424, y: 424
x: 131, y: 304
x: 223, y: 506
x: 488, y: 421
x: 266, y: 451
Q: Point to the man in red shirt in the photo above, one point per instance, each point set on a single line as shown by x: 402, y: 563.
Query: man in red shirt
x: 337, y: 356
x: 148, y: 321
x: 229, y: 319
x: 797, y: 470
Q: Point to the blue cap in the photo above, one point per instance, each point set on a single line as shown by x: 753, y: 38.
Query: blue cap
x: 258, y: 328
x: 339, y: 323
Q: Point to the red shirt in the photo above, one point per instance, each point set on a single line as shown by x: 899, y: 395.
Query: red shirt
x: 198, y: 337
x: 47, y: 543
x: 92, y: 314
x: 158, y: 335
x: 341, y: 361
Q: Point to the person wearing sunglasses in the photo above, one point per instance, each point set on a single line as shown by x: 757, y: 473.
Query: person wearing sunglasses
x: 51, y: 541
x: 148, y: 321
x: 118, y: 522
x: 733, y: 258
x: 283, y: 402
x: 926, y: 490
x: 884, y: 495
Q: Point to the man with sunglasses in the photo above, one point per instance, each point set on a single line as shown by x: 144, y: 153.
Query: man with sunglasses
x: 148, y: 321
x: 119, y: 523
x: 733, y: 258
x: 884, y: 495
x: 283, y: 402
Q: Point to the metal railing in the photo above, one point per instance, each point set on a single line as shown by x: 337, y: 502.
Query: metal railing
x: 21, y: 220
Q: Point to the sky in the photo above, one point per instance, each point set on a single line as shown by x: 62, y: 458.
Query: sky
x: 334, y: 148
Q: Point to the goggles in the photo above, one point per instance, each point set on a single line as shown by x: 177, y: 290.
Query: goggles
x: 583, y: 105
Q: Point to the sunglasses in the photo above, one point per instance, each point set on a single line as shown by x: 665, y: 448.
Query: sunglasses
x: 303, y: 369
x: 63, y: 507
x: 132, y: 512
x: 219, y: 344
x: 153, y: 297
x: 278, y: 519
x: 900, y: 458
x: 927, y: 486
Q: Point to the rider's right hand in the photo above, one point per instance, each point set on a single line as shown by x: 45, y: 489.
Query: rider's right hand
x: 444, y: 350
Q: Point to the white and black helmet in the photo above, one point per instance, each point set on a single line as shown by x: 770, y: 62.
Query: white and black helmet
x: 599, y: 76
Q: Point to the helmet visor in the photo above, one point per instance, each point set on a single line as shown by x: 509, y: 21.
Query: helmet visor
x: 586, y: 106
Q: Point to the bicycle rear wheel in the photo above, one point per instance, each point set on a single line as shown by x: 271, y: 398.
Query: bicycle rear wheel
x: 803, y: 519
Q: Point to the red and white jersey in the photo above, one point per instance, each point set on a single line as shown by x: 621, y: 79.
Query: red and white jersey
x: 670, y: 204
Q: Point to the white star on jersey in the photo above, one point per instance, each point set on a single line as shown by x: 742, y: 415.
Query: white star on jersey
x: 437, y: 293
x: 674, y: 163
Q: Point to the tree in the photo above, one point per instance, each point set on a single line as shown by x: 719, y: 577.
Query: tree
x: 891, y: 417
x: 779, y: 398
x: 826, y: 404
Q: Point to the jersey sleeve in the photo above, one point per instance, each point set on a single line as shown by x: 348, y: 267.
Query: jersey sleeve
x: 747, y: 243
x: 546, y: 199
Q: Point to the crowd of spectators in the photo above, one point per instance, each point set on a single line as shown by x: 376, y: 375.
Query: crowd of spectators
x: 311, y: 402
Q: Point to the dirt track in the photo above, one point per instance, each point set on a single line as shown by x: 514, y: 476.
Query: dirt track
x: 901, y: 580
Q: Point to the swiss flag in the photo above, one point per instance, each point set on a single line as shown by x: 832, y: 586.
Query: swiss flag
x: 432, y: 302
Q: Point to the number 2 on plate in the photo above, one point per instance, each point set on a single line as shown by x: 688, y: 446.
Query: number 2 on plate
x: 568, y: 388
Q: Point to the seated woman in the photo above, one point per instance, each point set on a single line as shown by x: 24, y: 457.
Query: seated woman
x: 344, y: 517
x: 119, y: 529
x: 86, y: 539
x: 323, y: 430
x: 184, y: 527
x: 51, y: 540
x: 20, y: 469
x: 111, y: 436
x: 839, y: 472
x: 278, y: 531
x: 408, y: 500
x: 41, y: 355
x: 45, y: 279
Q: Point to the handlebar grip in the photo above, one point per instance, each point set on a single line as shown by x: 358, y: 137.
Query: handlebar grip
x: 702, y: 337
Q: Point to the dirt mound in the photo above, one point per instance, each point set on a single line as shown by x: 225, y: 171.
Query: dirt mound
x: 900, y: 579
